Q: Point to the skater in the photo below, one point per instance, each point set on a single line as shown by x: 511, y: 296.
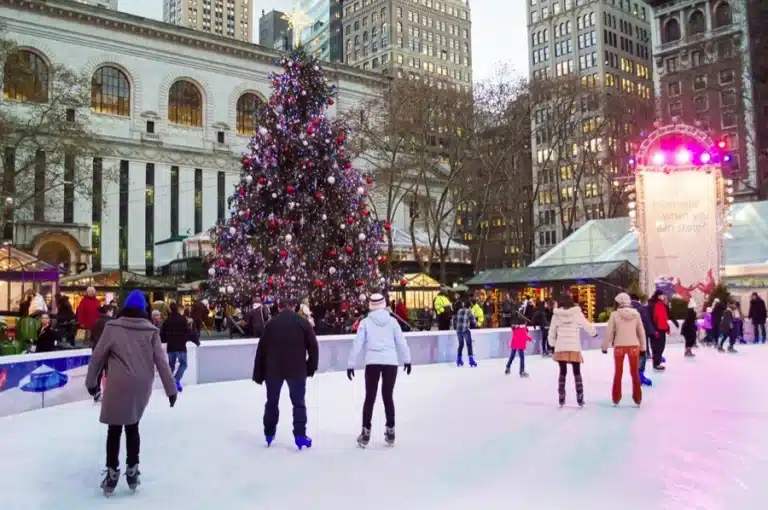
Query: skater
x: 384, y: 346
x: 88, y: 313
x: 256, y: 318
x: 738, y: 323
x: 287, y: 353
x: 507, y: 311
x: 659, y: 312
x: 625, y: 332
x: 757, y: 314
x: 650, y: 331
x: 718, y: 309
x: 541, y: 321
x: 131, y: 346
x: 463, y: 321
x: 565, y: 336
x: 726, y: 329
x: 709, y: 333
x: 517, y: 345
x: 690, y: 329
x: 443, y: 310
x: 176, y: 332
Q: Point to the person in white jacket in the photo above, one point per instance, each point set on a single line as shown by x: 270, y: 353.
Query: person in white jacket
x: 382, y: 341
x: 565, y: 337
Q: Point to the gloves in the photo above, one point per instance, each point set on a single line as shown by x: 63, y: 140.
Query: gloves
x: 172, y: 399
x: 350, y: 373
x: 407, y: 368
x: 605, y: 351
x: 94, y: 391
x: 310, y: 374
x: 258, y: 381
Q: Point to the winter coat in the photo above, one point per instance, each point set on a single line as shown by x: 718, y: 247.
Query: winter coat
x: 256, y: 319
x: 381, y: 340
x: 519, y: 339
x: 46, y: 340
x: 689, y: 329
x: 199, y: 311
x: 131, y: 346
x: 477, y: 311
x: 726, y: 322
x: 305, y: 312
x: 540, y: 318
x: 660, y: 315
x: 707, y: 321
x: 565, y: 329
x: 625, y: 329
x: 88, y: 312
x: 37, y: 306
x: 98, y: 329
x: 176, y: 333
x: 650, y: 329
x: 717, y: 315
x: 287, y: 350
x: 757, y: 312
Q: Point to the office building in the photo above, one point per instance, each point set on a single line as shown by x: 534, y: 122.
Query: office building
x: 274, y: 31
x: 105, y: 4
x: 322, y: 34
x: 230, y: 18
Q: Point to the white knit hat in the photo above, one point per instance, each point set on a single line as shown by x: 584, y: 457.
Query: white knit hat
x: 377, y: 302
x: 623, y: 299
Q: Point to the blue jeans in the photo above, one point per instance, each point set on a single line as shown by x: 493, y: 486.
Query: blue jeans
x: 512, y: 358
x: 297, y: 389
x: 465, y: 336
x: 181, y: 357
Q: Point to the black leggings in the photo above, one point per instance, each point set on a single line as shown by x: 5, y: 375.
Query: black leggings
x: 564, y: 368
x: 388, y: 374
x: 132, y: 445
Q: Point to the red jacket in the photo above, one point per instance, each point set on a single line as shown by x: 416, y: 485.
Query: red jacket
x: 88, y: 312
x: 661, y: 316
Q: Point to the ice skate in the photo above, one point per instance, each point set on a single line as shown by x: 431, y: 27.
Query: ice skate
x: 659, y: 368
x: 507, y: 371
x: 459, y: 361
x: 523, y: 374
x: 109, y: 483
x: 472, y: 362
x: 97, y: 398
x: 689, y: 353
x: 732, y: 350
x: 179, y: 388
x: 663, y: 359
x: 561, y: 390
x: 645, y: 381
x: 389, y: 436
x: 269, y: 440
x: 579, y: 391
x: 303, y: 442
x: 132, y: 477
x: 364, y: 438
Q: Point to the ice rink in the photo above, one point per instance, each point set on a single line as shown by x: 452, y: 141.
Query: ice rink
x: 467, y: 438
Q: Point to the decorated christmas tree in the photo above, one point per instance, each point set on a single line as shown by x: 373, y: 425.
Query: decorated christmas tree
x: 298, y: 224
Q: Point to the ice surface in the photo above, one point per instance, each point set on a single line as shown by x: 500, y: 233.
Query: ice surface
x: 467, y: 438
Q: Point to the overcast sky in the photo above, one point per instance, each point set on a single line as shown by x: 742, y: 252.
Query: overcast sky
x: 499, y: 32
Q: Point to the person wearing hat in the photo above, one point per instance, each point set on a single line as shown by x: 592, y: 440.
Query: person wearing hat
x: 131, y: 346
x: 380, y: 339
x: 625, y: 332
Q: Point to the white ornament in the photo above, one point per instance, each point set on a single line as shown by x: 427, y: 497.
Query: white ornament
x: 342, y: 226
x: 291, y: 205
x: 305, y: 143
x: 331, y: 180
x: 361, y: 190
x: 363, y: 297
x: 361, y: 236
x: 332, y: 270
x: 316, y: 68
x: 274, y: 195
x: 288, y: 238
x: 248, y: 179
x: 263, y: 131
x: 293, y: 278
x: 222, y: 290
x: 232, y: 231
x: 230, y: 289
x: 324, y: 217
x: 211, y: 271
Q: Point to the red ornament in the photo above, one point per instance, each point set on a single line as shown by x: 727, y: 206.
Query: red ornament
x: 310, y: 129
x: 319, y: 283
x: 331, y: 252
x: 319, y: 195
x: 339, y: 140
x: 270, y: 282
x: 330, y: 102
x: 364, y: 212
x: 350, y: 220
x: 387, y: 226
x: 369, y: 180
x: 403, y: 282
x: 290, y: 188
x: 349, y: 249
x: 272, y: 225
x: 347, y: 165
x: 383, y: 259
x: 359, y: 283
x: 283, y: 253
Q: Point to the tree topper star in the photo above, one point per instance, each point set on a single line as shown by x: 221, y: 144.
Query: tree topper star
x: 298, y: 20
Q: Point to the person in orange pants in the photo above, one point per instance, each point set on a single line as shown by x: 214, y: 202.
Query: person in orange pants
x: 624, y: 331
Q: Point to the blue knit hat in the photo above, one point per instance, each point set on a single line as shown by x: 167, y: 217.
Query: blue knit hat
x: 136, y: 300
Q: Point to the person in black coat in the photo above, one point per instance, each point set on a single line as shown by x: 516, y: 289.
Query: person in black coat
x: 757, y: 314
x: 175, y: 332
x: 287, y: 353
x: 46, y: 336
x: 105, y: 314
x: 689, y: 331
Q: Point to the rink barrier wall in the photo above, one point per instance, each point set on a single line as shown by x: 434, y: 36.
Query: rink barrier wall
x: 232, y: 360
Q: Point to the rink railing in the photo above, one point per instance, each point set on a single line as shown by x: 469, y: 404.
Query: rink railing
x: 35, y: 381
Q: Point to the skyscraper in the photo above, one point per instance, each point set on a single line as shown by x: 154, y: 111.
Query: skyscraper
x: 322, y: 34
x: 230, y: 18
x: 274, y: 31
x: 604, y: 46
x: 429, y: 39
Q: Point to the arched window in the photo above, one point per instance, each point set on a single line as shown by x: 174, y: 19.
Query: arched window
x: 247, y: 106
x: 349, y: 45
x: 25, y: 77
x: 723, y: 15
x: 357, y: 40
x: 374, y: 32
x: 110, y: 92
x: 365, y: 37
x: 185, y: 104
x: 672, y: 31
x: 399, y: 27
x: 697, y: 23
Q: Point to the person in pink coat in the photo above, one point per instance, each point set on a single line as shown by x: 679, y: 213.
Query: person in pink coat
x: 517, y: 345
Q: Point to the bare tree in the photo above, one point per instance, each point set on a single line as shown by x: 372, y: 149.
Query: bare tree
x: 46, y: 135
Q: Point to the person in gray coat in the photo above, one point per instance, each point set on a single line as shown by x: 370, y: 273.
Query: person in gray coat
x: 131, y: 346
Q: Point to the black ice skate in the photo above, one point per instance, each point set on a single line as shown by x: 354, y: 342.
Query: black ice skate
x: 732, y: 350
x: 561, y: 390
x: 389, y: 436
x: 111, y: 476
x: 132, y: 477
x: 364, y: 438
x: 579, y: 390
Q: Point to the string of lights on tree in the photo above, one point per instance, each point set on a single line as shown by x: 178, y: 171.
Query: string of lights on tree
x: 299, y: 225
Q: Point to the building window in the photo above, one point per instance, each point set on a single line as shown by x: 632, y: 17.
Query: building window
x: 723, y: 15
x: 729, y: 119
x: 697, y: 24
x: 69, y: 188
x: 675, y: 107
x: 700, y: 103
x: 699, y: 82
x: 672, y: 65
x: 185, y: 104
x: 198, y: 200
x: 39, y: 199
x: 25, y: 77
x: 247, y: 106
x: 149, y: 221
x: 697, y: 58
x: 124, y: 182
x: 728, y: 98
x: 96, y: 207
x: 674, y: 89
x: 726, y: 76
x: 174, y: 201
x: 671, y: 31
x: 221, y: 200
x: 110, y: 92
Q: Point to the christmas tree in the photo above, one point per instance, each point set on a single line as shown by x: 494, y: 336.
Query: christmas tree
x: 299, y: 224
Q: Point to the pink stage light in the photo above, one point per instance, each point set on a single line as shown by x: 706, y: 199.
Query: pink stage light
x: 683, y: 156
x: 658, y: 158
x: 706, y: 158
